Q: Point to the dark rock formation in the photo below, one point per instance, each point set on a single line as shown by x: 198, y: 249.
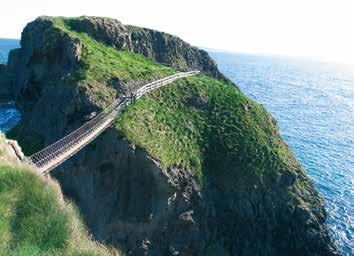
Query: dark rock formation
x: 45, y: 58
x: 129, y: 200
x: 5, y: 83
x: 40, y: 68
x: 159, y: 46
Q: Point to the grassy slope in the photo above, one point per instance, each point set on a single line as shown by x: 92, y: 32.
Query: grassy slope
x: 102, y: 64
x: 208, y: 126
x: 34, y: 220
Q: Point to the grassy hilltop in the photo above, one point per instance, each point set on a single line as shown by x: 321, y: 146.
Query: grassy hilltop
x: 103, y: 64
x: 209, y: 127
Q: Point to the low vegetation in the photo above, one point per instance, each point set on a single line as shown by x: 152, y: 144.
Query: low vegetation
x: 206, y: 125
x: 35, y: 219
x: 104, y: 64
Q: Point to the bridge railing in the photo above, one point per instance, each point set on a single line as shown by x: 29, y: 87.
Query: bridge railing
x: 60, y: 147
x: 45, y: 154
x: 159, y: 83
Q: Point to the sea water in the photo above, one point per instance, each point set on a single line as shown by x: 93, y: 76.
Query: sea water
x: 5, y: 46
x: 9, y: 116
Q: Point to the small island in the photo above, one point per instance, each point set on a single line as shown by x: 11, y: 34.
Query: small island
x: 193, y: 168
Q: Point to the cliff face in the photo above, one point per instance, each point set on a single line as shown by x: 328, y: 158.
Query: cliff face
x: 130, y: 201
x: 159, y: 46
x: 192, y: 169
x: 5, y: 83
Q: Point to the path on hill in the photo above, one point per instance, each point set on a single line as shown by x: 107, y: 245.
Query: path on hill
x: 58, y: 152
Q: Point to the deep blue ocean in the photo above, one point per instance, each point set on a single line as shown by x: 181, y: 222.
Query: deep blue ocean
x: 314, y: 106
x: 9, y: 116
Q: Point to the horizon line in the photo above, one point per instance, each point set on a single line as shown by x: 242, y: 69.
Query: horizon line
x: 263, y: 54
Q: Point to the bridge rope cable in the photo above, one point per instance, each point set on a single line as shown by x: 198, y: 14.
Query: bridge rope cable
x: 91, y: 129
x: 70, y: 143
x: 67, y: 140
x: 37, y: 156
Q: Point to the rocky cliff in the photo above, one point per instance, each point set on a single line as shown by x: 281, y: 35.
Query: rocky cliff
x: 5, y: 83
x: 159, y: 46
x: 195, y: 168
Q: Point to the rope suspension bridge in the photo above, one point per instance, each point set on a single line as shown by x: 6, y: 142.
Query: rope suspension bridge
x: 58, y: 152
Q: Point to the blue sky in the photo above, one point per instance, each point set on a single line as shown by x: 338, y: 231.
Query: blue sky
x: 314, y: 29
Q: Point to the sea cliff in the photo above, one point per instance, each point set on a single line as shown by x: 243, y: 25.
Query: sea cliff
x: 5, y: 84
x: 195, y: 168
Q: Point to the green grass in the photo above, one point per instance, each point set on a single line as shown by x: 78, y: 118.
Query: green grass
x: 34, y: 218
x: 103, y: 64
x: 31, y: 216
x: 209, y: 127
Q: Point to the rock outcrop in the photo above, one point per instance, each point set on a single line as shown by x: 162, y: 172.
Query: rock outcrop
x: 159, y: 46
x: 253, y: 198
x: 10, y: 151
x: 129, y: 200
x: 5, y: 84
